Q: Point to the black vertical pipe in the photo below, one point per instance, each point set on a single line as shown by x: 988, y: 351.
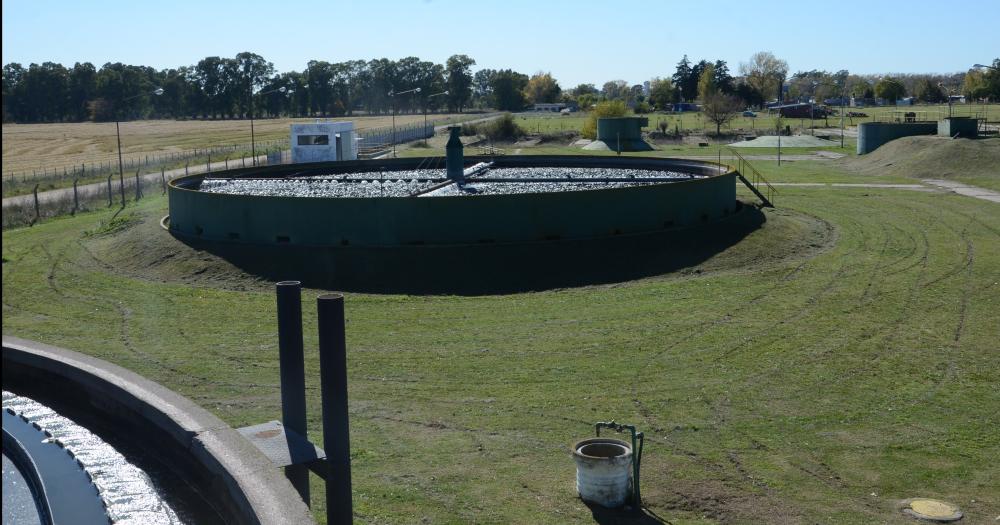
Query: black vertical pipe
x: 293, y: 374
x: 336, y: 426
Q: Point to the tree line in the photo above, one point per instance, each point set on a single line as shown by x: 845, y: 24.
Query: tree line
x: 218, y: 87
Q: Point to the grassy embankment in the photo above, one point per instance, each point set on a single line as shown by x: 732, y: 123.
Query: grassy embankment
x: 836, y: 361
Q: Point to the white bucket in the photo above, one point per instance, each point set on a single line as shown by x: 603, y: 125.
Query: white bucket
x: 603, y: 471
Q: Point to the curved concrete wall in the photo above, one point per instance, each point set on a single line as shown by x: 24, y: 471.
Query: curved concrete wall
x: 871, y: 135
x: 242, y: 484
x: 453, y: 220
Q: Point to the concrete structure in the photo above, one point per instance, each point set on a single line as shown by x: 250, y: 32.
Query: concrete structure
x: 871, y: 135
x: 453, y: 220
x: 240, y: 483
x: 620, y: 134
x: 323, y: 142
x: 965, y: 127
x: 460, y: 243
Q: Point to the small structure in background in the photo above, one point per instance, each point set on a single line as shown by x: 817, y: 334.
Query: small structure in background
x: 681, y: 107
x: 620, y: 134
x: 802, y: 110
x: 323, y: 142
x: 555, y: 107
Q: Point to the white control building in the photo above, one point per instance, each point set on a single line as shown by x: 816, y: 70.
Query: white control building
x: 323, y: 142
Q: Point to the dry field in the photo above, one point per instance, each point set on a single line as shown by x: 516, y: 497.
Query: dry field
x: 36, y: 146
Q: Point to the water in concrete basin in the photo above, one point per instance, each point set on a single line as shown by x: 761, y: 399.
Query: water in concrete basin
x: 18, y: 501
x: 129, y: 494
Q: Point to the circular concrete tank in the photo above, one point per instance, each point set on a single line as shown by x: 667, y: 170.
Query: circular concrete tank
x: 389, y: 225
x: 707, y: 194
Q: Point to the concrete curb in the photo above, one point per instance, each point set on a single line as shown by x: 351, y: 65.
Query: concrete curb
x: 236, y: 478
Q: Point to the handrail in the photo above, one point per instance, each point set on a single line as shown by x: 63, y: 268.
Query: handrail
x: 756, y: 179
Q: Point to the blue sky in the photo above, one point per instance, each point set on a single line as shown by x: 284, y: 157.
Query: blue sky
x: 578, y: 41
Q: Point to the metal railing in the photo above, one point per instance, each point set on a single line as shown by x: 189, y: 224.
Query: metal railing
x: 756, y: 180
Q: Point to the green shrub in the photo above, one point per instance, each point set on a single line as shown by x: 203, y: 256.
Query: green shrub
x: 503, y: 128
x: 610, y: 108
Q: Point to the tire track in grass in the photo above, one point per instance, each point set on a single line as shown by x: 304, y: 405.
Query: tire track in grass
x: 810, y: 304
x: 14, y: 264
x: 126, y: 314
x: 868, y: 295
x: 704, y: 328
x: 742, y: 476
x: 913, y: 246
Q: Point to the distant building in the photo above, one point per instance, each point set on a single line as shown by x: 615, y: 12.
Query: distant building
x: 555, y: 107
x: 323, y: 142
x: 680, y: 107
x: 801, y: 110
x: 906, y: 101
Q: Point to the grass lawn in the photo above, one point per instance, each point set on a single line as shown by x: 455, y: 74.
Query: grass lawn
x: 821, y: 386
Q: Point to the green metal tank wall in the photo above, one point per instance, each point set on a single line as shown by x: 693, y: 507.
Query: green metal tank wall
x: 456, y: 220
x: 629, y: 128
x: 871, y: 135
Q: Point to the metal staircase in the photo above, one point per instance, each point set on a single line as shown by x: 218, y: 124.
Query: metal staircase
x: 757, y: 183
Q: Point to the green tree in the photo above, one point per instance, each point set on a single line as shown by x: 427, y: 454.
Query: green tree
x: 458, y: 71
x: 585, y: 89
x: 82, y: 84
x: 927, y: 91
x: 542, y: 88
x: 608, y: 108
x: 614, y: 90
x: 766, y: 73
x: 706, y: 84
x: 586, y: 101
x: 482, y: 89
x: 723, y: 80
x: 661, y: 93
x: 890, y: 89
x: 508, y: 90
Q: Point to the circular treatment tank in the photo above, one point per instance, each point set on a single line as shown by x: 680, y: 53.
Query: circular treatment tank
x: 355, y: 225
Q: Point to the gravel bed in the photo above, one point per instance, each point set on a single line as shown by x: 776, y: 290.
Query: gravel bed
x: 376, y: 175
x: 407, y: 182
x: 582, y: 173
x: 511, y: 188
x: 312, y: 188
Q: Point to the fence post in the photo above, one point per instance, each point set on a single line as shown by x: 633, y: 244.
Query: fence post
x: 109, y: 190
x: 185, y: 168
x: 138, y: 186
x: 333, y: 392
x: 76, y: 198
x: 37, y: 213
x: 163, y: 179
x: 243, y: 158
x: 208, y: 164
x: 227, y: 162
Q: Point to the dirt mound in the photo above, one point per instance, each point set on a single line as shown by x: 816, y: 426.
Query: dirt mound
x: 931, y: 157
